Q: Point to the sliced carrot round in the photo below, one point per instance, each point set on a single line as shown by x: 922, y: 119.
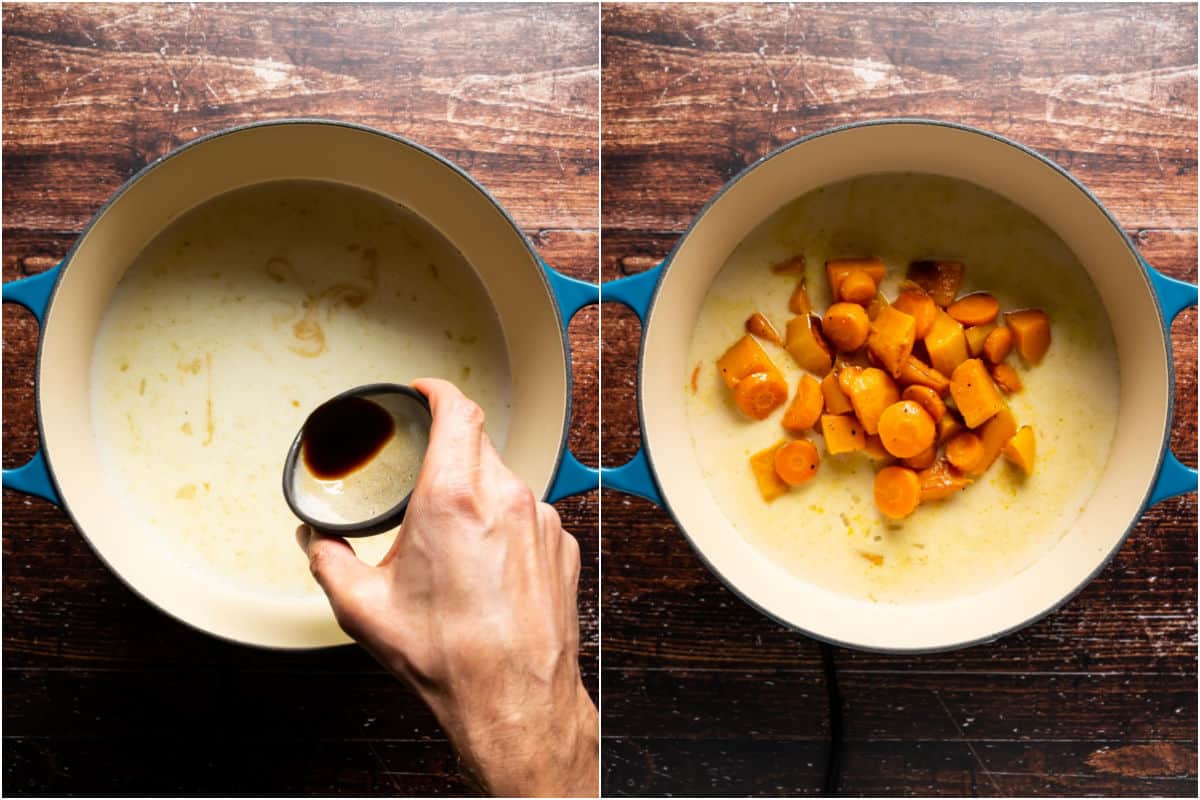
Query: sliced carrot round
x: 897, y: 492
x: 797, y: 462
x: 759, y: 393
x: 846, y: 325
x: 975, y: 309
x: 857, y: 287
x: 965, y: 451
x: 927, y: 399
x: 906, y: 429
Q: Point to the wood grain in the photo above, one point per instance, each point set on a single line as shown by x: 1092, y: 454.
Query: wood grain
x: 102, y: 693
x: 702, y: 694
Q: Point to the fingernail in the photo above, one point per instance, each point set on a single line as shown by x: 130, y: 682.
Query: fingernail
x: 303, y: 533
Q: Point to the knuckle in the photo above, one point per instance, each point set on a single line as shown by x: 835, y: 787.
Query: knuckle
x: 518, y: 496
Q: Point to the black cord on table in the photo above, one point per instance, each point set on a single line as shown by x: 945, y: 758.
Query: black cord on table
x: 833, y: 764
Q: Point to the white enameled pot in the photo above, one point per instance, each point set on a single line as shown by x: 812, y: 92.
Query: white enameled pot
x: 1140, y: 302
x: 533, y: 303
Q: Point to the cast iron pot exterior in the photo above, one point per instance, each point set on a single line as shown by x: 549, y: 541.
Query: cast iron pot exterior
x: 1141, y: 303
x: 534, y: 304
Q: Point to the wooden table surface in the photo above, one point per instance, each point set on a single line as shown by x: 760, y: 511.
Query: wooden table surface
x: 701, y: 694
x: 102, y: 693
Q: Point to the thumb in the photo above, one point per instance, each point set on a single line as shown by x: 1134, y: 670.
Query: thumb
x: 338, y: 571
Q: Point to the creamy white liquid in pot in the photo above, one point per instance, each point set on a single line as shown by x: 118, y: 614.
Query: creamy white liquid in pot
x: 829, y: 531
x: 235, y: 323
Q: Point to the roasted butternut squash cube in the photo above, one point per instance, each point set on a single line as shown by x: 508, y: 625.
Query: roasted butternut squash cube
x: 892, y: 336
x: 976, y: 336
x: 843, y: 434
x: 872, y: 391
x: 836, y: 401
x: 1031, y: 333
x: 975, y: 394
x: 762, y: 464
x: 1021, y: 449
x: 806, y: 344
x: 946, y: 343
x: 746, y: 357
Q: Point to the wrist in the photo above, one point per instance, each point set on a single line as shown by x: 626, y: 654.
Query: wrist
x: 538, y: 749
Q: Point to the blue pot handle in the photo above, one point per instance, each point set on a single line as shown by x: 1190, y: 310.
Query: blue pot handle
x: 571, y: 294
x: 1173, y: 296
x: 34, y: 293
x: 633, y: 477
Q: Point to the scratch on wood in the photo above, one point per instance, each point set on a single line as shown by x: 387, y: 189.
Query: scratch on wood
x: 970, y: 745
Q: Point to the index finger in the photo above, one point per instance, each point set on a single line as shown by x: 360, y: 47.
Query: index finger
x: 456, y: 437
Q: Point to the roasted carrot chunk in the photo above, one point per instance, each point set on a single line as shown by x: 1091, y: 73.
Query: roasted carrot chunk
x: 927, y: 399
x: 918, y: 305
x: 975, y: 395
x: 790, y: 266
x: 946, y: 343
x: 837, y: 269
x: 807, y: 345
x: 872, y: 391
x: 806, y: 406
x: 846, y: 326
x: 1006, y: 378
x: 797, y: 461
x: 744, y: 358
x: 941, y: 279
x: 857, y: 287
x: 965, y: 451
x: 891, y: 340
x: 940, y: 481
x: 1031, y: 333
x: 994, y: 434
x: 843, y: 434
x: 760, y: 393
x: 799, y: 303
x: 762, y: 464
x: 897, y: 492
x: 979, y: 308
x: 761, y: 327
x: 836, y: 401
x: 923, y: 459
x: 906, y: 429
x: 914, y: 371
x: 976, y: 337
x: 1021, y: 449
x: 998, y: 345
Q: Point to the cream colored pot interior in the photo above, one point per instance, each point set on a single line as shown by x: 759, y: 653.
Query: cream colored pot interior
x: 1002, y: 168
x: 312, y: 151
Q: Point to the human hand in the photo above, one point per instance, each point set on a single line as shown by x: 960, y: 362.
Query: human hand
x: 474, y: 607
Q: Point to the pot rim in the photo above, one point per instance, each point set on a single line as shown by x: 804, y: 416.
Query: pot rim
x: 65, y: 263
x: 1161, y: 330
